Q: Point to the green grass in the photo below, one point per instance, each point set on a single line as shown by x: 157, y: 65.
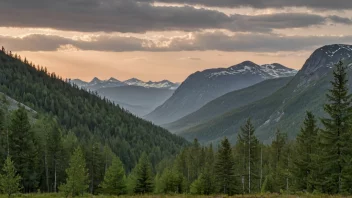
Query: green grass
x: 183, y: 196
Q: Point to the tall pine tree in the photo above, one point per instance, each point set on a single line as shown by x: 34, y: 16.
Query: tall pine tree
x: 249, y: 155
x: 77, y: 175
x: 115, y: 180
x: 225, y: 169
x: 336, y: 135
x: 306, y: 148
x: 23, y: 149
x: 144, y: 176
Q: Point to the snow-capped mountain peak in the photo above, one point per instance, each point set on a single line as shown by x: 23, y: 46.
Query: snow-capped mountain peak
x: 96, y: 83
x: 267, y: 71
x: 165, y: 84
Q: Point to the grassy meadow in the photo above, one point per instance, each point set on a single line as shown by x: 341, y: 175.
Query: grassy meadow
x: 185, y: 196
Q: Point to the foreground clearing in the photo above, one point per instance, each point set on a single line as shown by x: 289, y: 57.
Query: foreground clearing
x: 183, y: 196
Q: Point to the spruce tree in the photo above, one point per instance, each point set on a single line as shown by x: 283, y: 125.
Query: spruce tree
x: 9, y: 180
x: 23, y: 149
x: 336, y: 135
x: 77, y: 175
x: 56, y: 151
x: 249, y: 154
x: 306, y: 148
x: 278, y: 164
x: 144, y: 176
x: 225, y: 170
x: 115, y: 180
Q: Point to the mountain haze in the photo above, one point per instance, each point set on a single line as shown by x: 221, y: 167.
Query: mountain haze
x: 136, y: 99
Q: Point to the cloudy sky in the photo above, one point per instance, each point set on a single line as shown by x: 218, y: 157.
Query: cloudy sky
x: 168, y: 39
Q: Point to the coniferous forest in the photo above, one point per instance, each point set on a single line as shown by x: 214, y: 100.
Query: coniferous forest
x: 69, y: 141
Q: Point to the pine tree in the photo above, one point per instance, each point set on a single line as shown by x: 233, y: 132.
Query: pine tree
x: 56, y: 152
x: 144, y: 176
x: 207, y: 176
x: 249, y: 154
x: 336, y: 135
x: 224, y: 169
x: 95, y: 161
x: 278, y: 166
x: 23, y: 149
x: 77, y: 175
x: 170, y: 181
x: 115, y: 180
x: 306, y: 145
x: 9, y: 180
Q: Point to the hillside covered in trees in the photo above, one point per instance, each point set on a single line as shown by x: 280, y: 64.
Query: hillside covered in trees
x: 93, y: 122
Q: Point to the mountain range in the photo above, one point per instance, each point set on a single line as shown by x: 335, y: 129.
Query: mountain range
x: 202, y: 87
x: 136, y: 99
x: 285, y: 108
x: 96, y: 83
x: 134, y: 95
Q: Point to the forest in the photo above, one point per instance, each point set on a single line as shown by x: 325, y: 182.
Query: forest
x: 59, y: 149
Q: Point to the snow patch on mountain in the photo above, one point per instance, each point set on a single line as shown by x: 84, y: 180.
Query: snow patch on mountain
x: 96, y: 83
x: 267, y: 71
x: 164, y: 84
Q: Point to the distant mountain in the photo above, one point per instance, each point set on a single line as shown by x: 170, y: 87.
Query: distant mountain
x: 165, y: 84
x: 284, y: 109
x: 228, y: 102
x: 138, y: 100
x: 96, y: 83
x: 202, y: 87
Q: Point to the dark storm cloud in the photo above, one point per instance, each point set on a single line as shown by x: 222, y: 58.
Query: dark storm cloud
x: 139, y: 17
x: 197, y: 42
x: 315, y: 4
x: 342, y: 20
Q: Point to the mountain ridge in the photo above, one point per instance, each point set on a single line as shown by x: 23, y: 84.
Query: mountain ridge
x: 97, y: 83
x: 286, y: 107
x: 203, y: 86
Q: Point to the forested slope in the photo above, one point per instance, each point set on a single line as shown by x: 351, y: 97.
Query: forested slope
x: 85, y: 114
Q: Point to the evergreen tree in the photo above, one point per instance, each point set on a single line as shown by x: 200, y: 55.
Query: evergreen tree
x: 170, y: 181
x: 96, y: 166
x: 278, y: 179
x: 249, y: 155
x: 9, y: 180
x: 23, y: 149
x: 77, y: 175
x: 56, y: 151
x: 144, y: 176
x: 115, y: 180
x: 306, y: 148
x: 225, y: 170
x: 336, y: 135
x: 207, y: 177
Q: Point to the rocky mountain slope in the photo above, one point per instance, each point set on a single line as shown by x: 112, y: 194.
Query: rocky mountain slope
x: 227, y: 102
x: 284, y: 109
x: 202, y: 87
